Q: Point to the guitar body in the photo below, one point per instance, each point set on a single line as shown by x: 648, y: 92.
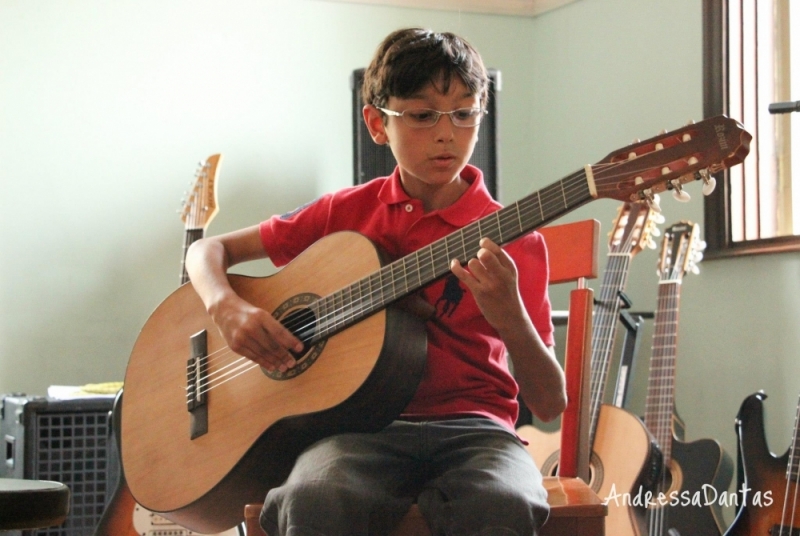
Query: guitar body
x: 763, y: 472
x: 123, y: 516
x: 623, y: 460
x: 257, y: 426
x: 694, y: 467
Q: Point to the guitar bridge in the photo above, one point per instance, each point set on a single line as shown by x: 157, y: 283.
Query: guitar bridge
x: 196, y: 385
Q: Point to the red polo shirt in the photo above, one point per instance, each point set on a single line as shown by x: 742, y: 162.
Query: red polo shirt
x: 467, y: 371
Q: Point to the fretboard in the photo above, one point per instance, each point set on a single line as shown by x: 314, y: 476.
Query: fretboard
x: 408, y: 274
x: 793, y: 467
x: 606, y: 313
x: 661, y: 387
x: 190, y: 236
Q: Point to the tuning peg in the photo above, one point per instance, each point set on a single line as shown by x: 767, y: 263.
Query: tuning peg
x: 659, y: 218
x: 709, y: 185
x: 650, y: 243
x: 709, y: 182
x: 678, y: 193
x: 652, y: 202
x: 656, y: 231
x: 694, y: 269
x: 681, y: 196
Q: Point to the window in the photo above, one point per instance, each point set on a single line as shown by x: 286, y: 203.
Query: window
x: 747, y: 51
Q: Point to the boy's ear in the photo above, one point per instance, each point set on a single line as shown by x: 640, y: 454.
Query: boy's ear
x: 374, y: 121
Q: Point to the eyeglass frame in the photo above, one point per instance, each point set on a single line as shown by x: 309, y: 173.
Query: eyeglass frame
x: 483, y: 112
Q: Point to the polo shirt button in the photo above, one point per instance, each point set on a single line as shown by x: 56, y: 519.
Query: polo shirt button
x: 409, y: 207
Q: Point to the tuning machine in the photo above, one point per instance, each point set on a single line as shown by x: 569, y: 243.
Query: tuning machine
x: 709, y: 182
x: 647, y: 196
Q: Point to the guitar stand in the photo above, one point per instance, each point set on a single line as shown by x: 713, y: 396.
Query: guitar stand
x: 630, y: 347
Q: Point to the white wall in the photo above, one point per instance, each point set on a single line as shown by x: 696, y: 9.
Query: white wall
x: 106, y: 107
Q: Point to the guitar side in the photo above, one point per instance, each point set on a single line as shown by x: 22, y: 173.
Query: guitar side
x: 622, y: 461
x: 764, y: 475
x: 258, y: 425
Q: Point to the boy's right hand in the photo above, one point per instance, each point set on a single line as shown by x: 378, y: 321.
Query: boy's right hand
x: 255, y: 334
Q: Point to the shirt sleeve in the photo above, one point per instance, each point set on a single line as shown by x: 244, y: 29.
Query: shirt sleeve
x: 286, y: 236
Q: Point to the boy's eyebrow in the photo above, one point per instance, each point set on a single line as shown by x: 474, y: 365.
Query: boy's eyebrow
x: 420, y: 96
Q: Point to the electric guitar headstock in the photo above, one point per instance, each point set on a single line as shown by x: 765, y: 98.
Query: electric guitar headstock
x: 634, y: 228
x: 681, y: 251
x: 668, y: 161
x: 200, y: 205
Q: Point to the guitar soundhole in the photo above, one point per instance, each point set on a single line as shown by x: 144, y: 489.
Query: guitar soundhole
x: 596, y: 470
x: 296, y: 315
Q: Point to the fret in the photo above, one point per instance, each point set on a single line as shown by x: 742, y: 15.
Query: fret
x: 793, y: 467
x: 603, y: 334
x: 660, y: 402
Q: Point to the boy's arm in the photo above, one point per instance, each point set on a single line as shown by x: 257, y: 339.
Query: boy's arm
x: 492, y: 279
x: 248, y: 330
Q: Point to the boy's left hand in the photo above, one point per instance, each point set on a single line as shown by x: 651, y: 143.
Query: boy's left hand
x: 491, y: 277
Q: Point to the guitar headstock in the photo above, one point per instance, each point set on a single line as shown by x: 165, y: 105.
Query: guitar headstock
x: 681, y: 250
x: 634, y: 228
x: 200, y: 207
x: 670, y: 160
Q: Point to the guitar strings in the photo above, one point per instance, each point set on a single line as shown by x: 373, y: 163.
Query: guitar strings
x: 569, y: 185
x: 368, y: 298
x: 660, y: 394
x: 226, y: 372
x: 791, y: 475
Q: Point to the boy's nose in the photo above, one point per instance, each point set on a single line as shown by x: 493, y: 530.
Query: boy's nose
x: 444, y: 128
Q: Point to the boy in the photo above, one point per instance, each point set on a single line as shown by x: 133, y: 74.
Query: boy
x: 453, y: 450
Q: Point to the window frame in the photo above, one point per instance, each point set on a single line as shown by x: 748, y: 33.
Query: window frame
x: 716, y: 209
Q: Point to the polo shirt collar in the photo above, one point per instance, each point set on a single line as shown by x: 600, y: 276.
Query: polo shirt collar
x: 473, y: 201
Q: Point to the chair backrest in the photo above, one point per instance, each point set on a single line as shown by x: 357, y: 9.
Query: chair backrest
x: 573, y: 257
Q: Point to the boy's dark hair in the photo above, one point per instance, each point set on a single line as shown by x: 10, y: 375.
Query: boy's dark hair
x: 409, y: 59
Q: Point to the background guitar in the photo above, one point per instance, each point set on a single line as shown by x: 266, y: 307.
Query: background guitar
x: 235, y: 430
x: 123, y: 516
x: 687, y: 467
x: 772, y: 505
x: 623, y: 452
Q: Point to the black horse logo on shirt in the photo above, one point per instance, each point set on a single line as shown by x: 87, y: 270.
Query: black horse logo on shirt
x: 451, y: 297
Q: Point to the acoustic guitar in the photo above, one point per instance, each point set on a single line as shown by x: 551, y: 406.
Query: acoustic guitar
x: 689, y: 470
x: 623, y: 455
x: 771, y: 504
x: 123, y: 516
x: 205, y: 431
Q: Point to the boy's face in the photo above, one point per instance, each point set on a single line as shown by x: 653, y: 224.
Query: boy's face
x: 429, y: 158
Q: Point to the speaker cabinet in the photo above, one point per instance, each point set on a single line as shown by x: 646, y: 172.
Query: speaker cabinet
x: 61, y: 440
x: 371, y: 160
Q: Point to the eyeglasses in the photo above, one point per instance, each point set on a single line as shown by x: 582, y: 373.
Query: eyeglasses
x: 426, y: 118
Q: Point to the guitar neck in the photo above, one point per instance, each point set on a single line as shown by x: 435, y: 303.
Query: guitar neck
x: 793, y: 467
x: 189, y: 237
x: 660, y: 402
x: 408, y: 274
x: 606, y: 312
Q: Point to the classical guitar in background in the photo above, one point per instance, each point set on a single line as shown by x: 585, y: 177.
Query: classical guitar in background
x: 688, y: 469
x: 206, y: 431
x: 623, y: 452
x: 771, y: 505
x: 123, y: 516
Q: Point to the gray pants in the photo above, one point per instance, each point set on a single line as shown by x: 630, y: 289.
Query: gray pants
x: 468, y: 476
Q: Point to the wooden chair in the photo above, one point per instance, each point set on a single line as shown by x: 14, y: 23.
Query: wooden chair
x: 575, y: 510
